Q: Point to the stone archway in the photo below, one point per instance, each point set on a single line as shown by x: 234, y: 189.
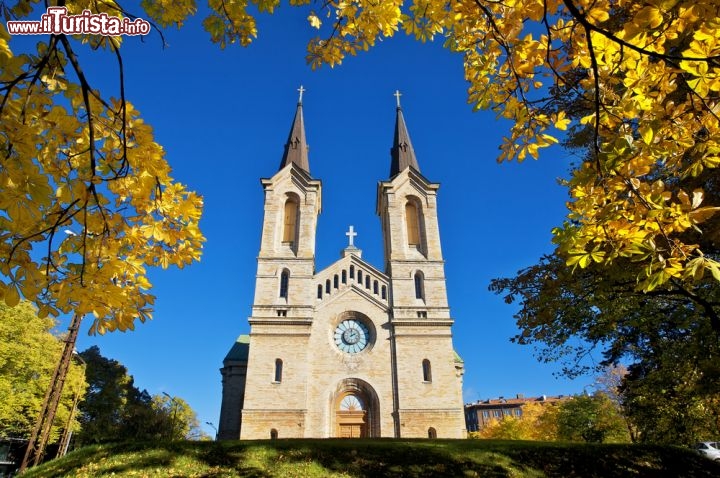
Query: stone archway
x: 355, y: 410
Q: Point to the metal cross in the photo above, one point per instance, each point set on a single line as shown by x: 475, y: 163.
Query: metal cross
x: 397, y: 95
x: 301, y: 90
x: 351, y: 234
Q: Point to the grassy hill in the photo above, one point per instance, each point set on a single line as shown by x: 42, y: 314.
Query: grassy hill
x: 377, y: 458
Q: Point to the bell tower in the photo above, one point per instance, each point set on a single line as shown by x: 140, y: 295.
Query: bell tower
x: 286, y: 261
x: 283, y: 307
x: 407, y: 206
x: 428, y: 372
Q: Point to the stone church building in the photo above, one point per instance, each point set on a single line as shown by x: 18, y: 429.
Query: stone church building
x: 352, y: 350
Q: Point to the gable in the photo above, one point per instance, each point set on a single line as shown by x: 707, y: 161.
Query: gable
x: 351, y: 273
x: 352, y: 295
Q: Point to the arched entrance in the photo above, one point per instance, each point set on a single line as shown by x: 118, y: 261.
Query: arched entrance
x: 351, y: 417
x: 355, y: 410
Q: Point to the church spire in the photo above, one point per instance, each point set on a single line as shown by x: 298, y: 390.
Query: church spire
x: 402, y: 152
x: 296, y: 148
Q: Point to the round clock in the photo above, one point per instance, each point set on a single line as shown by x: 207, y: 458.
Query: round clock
x: 351, y: 336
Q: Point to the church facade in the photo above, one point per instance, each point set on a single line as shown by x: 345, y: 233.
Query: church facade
x: 351, y: 350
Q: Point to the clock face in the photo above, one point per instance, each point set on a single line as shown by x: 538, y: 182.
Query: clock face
x: 351, y: 336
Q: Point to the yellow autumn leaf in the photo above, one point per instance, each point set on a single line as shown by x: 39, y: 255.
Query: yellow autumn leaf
x: 12, y: 296
x: 598, y: 15
x: 314, y: 20
x: 647, y: 133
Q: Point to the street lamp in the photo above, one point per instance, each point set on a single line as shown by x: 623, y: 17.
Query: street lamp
x: 213, y: 427
x: 174, y: 414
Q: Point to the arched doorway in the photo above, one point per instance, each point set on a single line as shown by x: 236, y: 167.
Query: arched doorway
x: 355, y: 410
x: 351, y: 417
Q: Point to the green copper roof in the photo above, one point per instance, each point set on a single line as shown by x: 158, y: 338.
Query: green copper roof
x: 458, y: 359
x: 240, y: 349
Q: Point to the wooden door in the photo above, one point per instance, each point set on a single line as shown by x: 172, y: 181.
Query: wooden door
x: 351, y: 424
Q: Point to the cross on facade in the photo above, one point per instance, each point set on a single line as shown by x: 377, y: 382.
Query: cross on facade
x: 351, y: 235
x: 301, y: 90
x: 397, y: 96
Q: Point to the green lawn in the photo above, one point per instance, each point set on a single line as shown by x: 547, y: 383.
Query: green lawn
x: 377, y: 458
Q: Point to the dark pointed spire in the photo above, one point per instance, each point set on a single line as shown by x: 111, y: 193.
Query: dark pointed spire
x: 402, y: 152
x: 296, y: 148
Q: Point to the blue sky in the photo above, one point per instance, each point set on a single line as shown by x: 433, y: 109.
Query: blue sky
x: 223, y: 117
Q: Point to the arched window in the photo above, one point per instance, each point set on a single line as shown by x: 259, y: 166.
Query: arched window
x: 290, y: 221
x: 319, y: 291
x: 284, y: 280
x: 375, y: 287
x: 335, y: 281
x: 367, y: 282
x: 273, y: 434
x: 327, y: 286
x: 359, y: 277
x: 427, y: 372
x: 278, y: 370
x: 352, y: 271
x: 343, y: 278
x: 432, y: 433
x: 384, y: 292
x: 419, y: 286
x: 412, y: 221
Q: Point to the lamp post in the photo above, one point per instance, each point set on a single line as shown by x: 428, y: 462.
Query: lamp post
x: 174, y: 415
x: 213, y: 427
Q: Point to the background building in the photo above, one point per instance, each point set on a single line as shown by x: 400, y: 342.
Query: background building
x: 479, y: 414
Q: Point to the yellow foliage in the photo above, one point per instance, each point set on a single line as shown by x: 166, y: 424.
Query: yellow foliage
x: 654, y: 81
x: 86, y: 196
x: 79, y: 162
x: 538, y: 422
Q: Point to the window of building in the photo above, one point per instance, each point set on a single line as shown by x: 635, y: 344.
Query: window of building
x: 497, y: 413
x: 486, y: 414
x: 413, y: 224
x: 432, y: 433
x: 282, y: 312
x: 518, y: 412
x: 375, y: 287
x: 427, y: 372
x: 284, y: 282
x: 278, y: 370
x: 359, y: 276
x: 367, y: 282
x: 336, y: 281
x: 273, y: 434
x: 383, y: 292
x: 506, y: 412
x: 343, y: 278
x: 352, y: 272
x: 419, y: 286
x: 422, y: 314
x: 327, y: 286
x: 319, y: 295
x: 290, y: 221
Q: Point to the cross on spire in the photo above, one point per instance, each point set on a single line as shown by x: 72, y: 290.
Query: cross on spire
x: 397, y: 96
x: 301, y: 90
x: 351, y: 235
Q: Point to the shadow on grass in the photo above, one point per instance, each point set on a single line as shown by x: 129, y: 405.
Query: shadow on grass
x: 380, y: 458
x: 373, y: 458
x: 121, y: 458
x: 475, y: 458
